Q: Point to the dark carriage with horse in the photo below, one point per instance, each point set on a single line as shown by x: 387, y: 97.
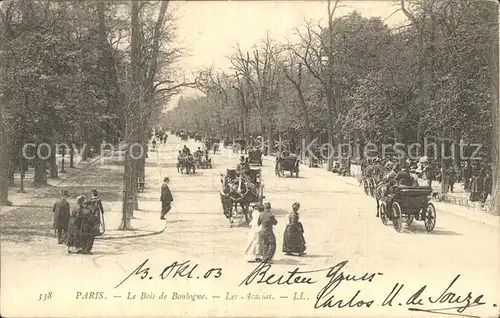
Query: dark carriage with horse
x: 239, y: 146
x: 289, y: 163
x: 405, y: 203
x: 198, y: 137
x: 184, y: 136
x: 255, y: 157
x: 187, y: 163
x: 212, y: 143
x: 202, y: 161
x: 241, y: 189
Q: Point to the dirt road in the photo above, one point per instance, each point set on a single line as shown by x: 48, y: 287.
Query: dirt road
x: 340, y: 225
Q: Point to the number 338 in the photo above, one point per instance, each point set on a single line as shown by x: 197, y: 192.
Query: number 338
x: 43, y: 297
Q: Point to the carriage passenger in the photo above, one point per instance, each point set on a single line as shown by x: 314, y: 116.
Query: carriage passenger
x: 198, y: 153
x: 404, y: 178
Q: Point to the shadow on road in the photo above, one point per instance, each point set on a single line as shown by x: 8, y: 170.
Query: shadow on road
x: 278, y: 211
x: 437, y: 231
x: 287, y: 261
x: 315, y: 256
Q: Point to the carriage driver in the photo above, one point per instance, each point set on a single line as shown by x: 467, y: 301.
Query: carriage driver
x: 198, y: 153
x: 390, y: 174
x: 243, y: 167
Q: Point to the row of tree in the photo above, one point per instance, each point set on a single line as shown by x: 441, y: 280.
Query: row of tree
x: 354, y: 78
x: 81, y: 73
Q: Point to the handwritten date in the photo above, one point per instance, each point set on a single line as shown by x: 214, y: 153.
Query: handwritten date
x: 175, y: 270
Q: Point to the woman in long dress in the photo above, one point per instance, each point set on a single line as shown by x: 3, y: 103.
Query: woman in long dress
x: 253, y: 250
x: 74, y: 241
x: 293, y: 240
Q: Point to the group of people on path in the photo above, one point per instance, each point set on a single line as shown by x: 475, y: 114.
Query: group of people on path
x: 262, y: 241
x: 78, y: 227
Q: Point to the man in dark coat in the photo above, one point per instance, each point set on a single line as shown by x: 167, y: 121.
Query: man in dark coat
x: 488, y: 186
x: 266, y: 234
x: 467, y: 172
x: 403, y: 177
x: 61, y: 217
x: 451, y: 178
x: 166, y: 198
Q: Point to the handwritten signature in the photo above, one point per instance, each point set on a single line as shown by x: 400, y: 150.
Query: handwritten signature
x: 175, y: 270
x: 336, y: 275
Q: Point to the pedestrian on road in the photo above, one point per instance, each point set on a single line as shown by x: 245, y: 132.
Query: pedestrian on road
x: 253, y: 249
x: 91, y: 222
x: 166, y: 198
x: 293, y: 239
x: 61, y: 217
x: 467, y: 172
x: 488, y: 186
x: 451, y: 178
x: 268, y: 239
x: 475, y: 191
x: 74, y: 226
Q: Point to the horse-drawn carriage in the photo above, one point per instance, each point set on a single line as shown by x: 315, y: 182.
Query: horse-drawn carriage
x: 407, y: 203
x: 239, y: 146
x: 202, y: 162
x: 340, y: 167
x: 187, y: 163
x: 197, y: 137
x: 212, y: 143
x: 255, y: 157
x: 290, y: 163
x: 241, y: 189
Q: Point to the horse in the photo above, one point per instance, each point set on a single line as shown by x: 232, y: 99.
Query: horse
x: 236, y: 192
x: 187, y: 163
x: 380, y: 191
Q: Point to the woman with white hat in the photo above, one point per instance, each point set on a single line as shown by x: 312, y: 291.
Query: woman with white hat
x: 253, y: 250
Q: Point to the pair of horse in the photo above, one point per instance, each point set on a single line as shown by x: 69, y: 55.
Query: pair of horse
x: 186, y: 163
x: 237, y: 191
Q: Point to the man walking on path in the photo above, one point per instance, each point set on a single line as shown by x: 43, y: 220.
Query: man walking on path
x: 61, y: 217
x: 166, y: 198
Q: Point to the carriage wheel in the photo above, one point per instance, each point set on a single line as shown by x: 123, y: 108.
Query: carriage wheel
x: 430, y: 217
x: 409, y: 219
x: 396, y: 217
x: 383, y: 213
x: 366, y: 187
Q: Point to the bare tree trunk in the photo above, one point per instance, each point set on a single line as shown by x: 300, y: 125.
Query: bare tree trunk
x: 53, y: 163
x: 495, y: 145
x: 40, y: 177
x: 4, y: 157
x: 125, y: 224
x: 129, y: 129
x: 72, y: 156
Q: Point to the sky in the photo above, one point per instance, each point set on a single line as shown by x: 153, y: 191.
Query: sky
x: 210, y: 30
